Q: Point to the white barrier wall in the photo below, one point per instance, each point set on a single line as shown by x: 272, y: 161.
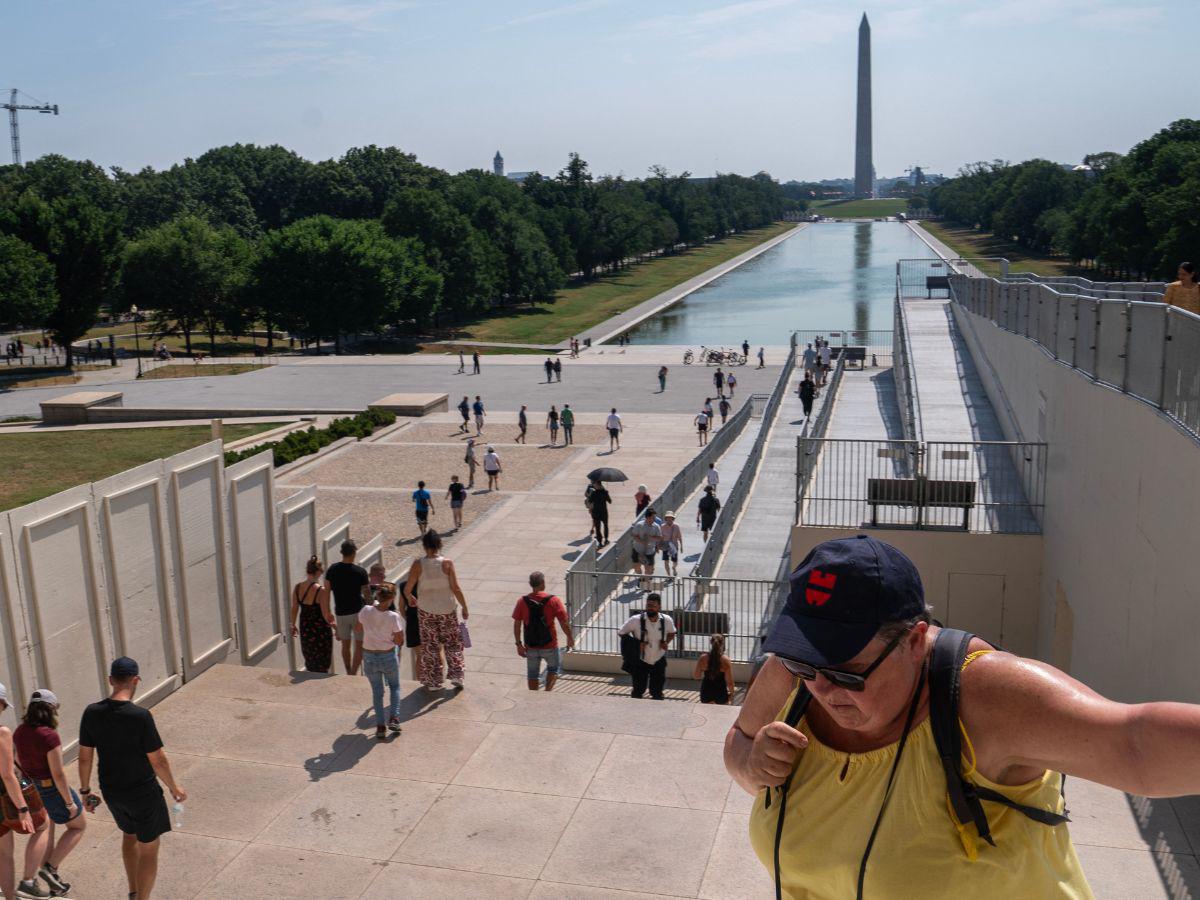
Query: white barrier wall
x: 250, y: 486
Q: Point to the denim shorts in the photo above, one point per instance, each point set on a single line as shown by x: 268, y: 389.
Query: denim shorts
x: 55, y: 808
x: 533, y: 661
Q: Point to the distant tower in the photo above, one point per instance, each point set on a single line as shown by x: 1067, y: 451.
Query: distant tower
x: 864, y: 168
x: 498, y: 162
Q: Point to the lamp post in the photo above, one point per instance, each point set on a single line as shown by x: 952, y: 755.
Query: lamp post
x: 137, y: 343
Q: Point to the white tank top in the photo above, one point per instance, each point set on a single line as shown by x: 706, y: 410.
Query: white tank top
x: 433, y: 590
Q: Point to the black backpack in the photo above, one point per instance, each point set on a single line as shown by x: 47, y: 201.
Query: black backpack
x: 945, y: 676
x: 537, y: 632
x: 631, y: 649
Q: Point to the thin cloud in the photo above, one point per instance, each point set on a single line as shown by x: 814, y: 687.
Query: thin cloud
x: 354, y: 15
x: 554, y: 12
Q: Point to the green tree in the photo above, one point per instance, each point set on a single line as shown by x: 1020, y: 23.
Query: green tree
x: 27, y: 294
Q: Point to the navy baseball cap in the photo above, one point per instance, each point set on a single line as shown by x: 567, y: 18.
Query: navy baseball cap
x: 123, y: 667
x: 841, y: 593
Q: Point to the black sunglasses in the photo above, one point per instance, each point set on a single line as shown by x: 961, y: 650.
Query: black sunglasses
x: 851, y: 681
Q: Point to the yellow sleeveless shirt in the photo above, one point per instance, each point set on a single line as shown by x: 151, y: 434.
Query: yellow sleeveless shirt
x: 919, y: 851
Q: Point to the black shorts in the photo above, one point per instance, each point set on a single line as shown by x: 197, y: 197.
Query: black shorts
x: 422, y: 516
x: 614, y: 432
x: 143, y: 813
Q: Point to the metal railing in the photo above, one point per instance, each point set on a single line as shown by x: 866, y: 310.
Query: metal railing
x: 976, y: 486
x: 1102, y: 290
x: 877, y: 343
x: 738, y: 608
x: 814, y: 429
x: 904, y: 373
x: 1146, y: 349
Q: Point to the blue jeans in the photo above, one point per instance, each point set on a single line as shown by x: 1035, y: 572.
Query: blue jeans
x: 533, y: 661
x: 378, y: 667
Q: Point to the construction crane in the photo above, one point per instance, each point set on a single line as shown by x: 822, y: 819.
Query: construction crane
x: 12, y: 106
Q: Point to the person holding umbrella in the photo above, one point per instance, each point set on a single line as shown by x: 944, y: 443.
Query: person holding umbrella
x: 597, y: 499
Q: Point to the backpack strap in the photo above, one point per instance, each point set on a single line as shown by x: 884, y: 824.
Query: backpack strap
x: 945, y: 683
x: 794, y: 714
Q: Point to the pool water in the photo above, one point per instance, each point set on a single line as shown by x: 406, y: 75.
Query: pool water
x: 830, y: 275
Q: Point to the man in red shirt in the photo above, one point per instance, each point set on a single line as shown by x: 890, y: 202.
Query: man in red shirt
x: 533, y: 629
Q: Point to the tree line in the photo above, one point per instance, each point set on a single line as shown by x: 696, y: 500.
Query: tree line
x: 1132, y: 217
x: 366, y: 243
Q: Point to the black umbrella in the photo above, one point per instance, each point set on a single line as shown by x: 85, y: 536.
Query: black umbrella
x: 606, y: 473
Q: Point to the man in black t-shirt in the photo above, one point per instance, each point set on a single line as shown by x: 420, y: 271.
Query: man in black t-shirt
x: 349, y: 585
x: 132, y: 761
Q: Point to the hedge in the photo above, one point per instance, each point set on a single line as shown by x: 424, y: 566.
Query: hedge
x: 304, y: 443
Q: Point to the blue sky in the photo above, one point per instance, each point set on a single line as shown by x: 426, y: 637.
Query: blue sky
x: 702, y: 86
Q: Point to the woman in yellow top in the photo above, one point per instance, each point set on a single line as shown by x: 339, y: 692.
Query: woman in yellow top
x: 857, y: 633
x: 1184, y: 293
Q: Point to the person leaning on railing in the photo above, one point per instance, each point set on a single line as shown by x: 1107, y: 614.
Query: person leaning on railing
x: 873, y: 788
x: 1184, y: 293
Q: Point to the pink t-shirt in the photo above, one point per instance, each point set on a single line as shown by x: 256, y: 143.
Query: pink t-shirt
x: 554, y: 610
x: 378, y: 627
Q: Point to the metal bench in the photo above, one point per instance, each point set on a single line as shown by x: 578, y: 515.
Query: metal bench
x: 936, y: 283
x: 852, y: 354
x: 691, y: 621
x: 921, y: 493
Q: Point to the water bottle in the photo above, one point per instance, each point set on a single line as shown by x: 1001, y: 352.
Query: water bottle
x: 177, y: 810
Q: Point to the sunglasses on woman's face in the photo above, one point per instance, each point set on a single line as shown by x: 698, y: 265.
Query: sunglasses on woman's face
x: 851, y: 681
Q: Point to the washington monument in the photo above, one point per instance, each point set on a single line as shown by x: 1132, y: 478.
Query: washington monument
x: 864, y: 169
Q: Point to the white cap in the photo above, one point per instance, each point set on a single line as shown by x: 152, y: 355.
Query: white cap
x: 45, y: 696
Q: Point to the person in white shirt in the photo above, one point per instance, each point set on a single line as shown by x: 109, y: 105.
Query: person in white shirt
x: 614, y: 430
x: 491, y: 465
x: 381, y: 631
x: 655, y: 630
x: 672, y: 543
x: 826, y: 356
x: 702, y: 427
x: 713, y: 476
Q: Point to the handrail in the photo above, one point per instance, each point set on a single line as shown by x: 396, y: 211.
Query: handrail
x: 914, y: 425
x: 816, y: 432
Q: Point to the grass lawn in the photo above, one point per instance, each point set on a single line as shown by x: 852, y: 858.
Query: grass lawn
x: 974, y: 244
x: 193, y: 370
x: 579, y: 308
x: 38, y: 465
x: 859, y: 209
x: 37, y: 376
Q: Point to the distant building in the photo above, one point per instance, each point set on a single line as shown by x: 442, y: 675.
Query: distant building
x: 498, y: 164
x: 517, y: 176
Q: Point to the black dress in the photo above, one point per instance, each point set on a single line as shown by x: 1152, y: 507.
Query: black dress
x: 713, y: 688
x: 316, y: 637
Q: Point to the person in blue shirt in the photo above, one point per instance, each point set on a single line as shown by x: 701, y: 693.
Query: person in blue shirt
x: 477, y: 407
x: 424, y: 501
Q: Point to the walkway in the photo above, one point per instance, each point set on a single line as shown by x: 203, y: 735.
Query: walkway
x: 610, y: 328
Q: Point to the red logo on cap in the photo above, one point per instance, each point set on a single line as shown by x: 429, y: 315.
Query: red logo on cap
x: 820, y: 587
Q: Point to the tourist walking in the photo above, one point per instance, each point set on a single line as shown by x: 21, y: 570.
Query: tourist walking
x: 557, y: 369
x: 714, y: 671
x: 719, y: 382
x: 708, y: 409
x: 672, y: 544
x: 423, y: 501
x: 440, y: 598
x: 731, y: 383
x: 647, y: 535
x: 1185, y: 292
x: 746, y: 349
x: 653, y: 630
x: 132, y: 762
x: 462, y: 363
x: 348, y: 581
x: 597, y: 499
x: 39, y: 754
x: 808, y: 390
x: 381, y: 631
x: 826, y: 357
x: 472, y: 462
x: 723, y: 408
x: 465, y: 409
x: 712, y: 477
x: 534, y: 619
x: 23, y: 813
x: 762, y: 362
x: 568, y: 424
x: 522, y: 426
x: 457, y: 495
x: 549, y: 367
x: 312, y: 619
x: 706, y: 513
x: 475, y: 362
x: 662, y: 379
x: 552, y: 424
x: 641, y: 499
x: 809, y: 359
x: 614, y: 430
x: 491, y: 465
x: 701, y: 421
x: 477, y: 408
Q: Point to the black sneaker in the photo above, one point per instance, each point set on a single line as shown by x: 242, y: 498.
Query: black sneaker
x: 31, y: 890
x: 394, y: 724
x: 53, y: 880
x: 380, y: 733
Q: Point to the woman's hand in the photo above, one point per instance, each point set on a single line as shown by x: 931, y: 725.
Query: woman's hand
x: 465, y: 614
x: 25, y: 823
x: 773, y: 754
x: 295, y: 631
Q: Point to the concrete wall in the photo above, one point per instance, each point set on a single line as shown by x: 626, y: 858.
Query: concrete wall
x: 988, y: 584
x: 1120, y: 596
